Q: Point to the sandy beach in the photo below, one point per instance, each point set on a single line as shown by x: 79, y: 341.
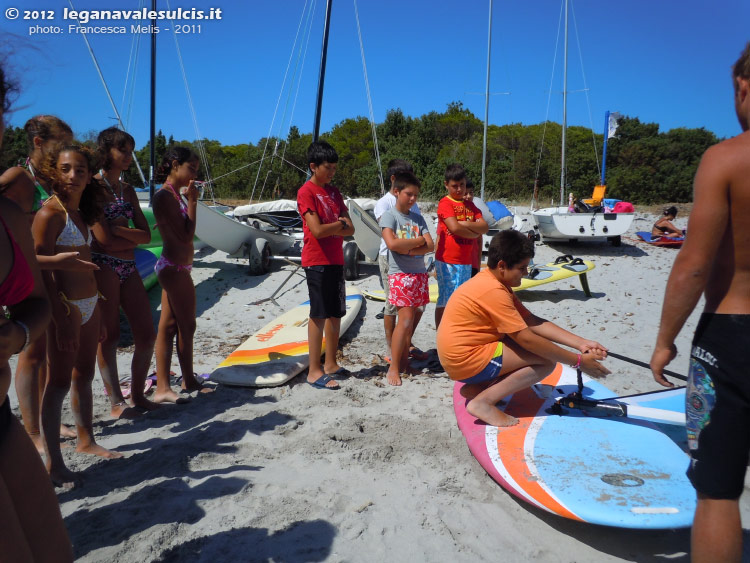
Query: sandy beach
x: 367, y: 473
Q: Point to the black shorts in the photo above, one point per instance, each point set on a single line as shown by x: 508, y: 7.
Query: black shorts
x: 6, y: 419
x: 717, y: 405
x: 327, y: 292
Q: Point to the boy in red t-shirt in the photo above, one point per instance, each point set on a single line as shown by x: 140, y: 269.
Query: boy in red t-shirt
x: 460, y: 223
x: 325, y: 221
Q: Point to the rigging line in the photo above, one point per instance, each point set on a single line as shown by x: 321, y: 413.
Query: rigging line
x: 586, y: 89
x: 301, y: 66
x: 106, y: 89
x: 549, y: 93
x: 131, y: 97
x: 369, y: 101
x: 199, y: 139
x: 132, y: 65
x: 281, y: 92
x: 238, y: 169
x: 296, y: 96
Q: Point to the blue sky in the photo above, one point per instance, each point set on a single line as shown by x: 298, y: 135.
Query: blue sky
x: 663, y: 61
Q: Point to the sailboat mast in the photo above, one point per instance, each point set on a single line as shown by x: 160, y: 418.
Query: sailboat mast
x: 152, y: 144
x: 563, y: 171
x: 486, y: 102
x: 322, y: 74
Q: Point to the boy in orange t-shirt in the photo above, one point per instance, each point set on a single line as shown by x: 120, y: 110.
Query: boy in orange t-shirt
x: 460, y: 223
x: 494, y: 345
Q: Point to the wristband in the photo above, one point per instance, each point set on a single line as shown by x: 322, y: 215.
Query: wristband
x: 578, y: 363
x: 27, y: 333
x: 343, y: 223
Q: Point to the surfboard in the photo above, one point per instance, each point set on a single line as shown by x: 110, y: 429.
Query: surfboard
x: 660, y: 241
x: 614, y: 471
x: 568, y: 267
x: 278, y: 351
x: 367, y: 232
x: 145, y: 260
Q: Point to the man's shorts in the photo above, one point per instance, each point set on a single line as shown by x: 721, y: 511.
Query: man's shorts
x: 717, y: 405
x: 408, y: 290
x: 327, y: 292
x: 383, y: 264
x: 449, y: 277
x: 491, y: 370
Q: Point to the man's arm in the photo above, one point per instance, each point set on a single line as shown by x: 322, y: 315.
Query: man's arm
x: 692, y: 267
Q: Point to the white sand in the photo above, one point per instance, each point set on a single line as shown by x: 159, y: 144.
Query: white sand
x: 369, y: 473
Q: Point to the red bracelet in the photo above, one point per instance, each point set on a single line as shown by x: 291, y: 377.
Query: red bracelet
x: 578, y: 363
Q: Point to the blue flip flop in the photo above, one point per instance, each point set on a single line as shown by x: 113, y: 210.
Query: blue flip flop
x: 322, y: 381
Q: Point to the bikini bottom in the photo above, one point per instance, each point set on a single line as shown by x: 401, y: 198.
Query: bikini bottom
x: 164, y: 262
x: 86, y: 306
x: 123, y: 268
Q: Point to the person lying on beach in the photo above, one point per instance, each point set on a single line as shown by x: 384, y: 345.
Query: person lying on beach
x: 494, y: 345
x: 63, y: 225
x: 664, y: 226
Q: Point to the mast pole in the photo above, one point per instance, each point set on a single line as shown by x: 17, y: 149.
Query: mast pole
x: 322, y: 74
x: 604, y: 149
x: 563, y: 171
x: 486, y: 102
x: 152, y: 143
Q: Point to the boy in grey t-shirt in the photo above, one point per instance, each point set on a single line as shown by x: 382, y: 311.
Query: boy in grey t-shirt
x: 408, y: 240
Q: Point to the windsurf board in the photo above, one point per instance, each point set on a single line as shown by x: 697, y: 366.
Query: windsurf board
x: 613, y: 471
x: 278, y: 351
x: 568, y: 267
x: 660, y: 241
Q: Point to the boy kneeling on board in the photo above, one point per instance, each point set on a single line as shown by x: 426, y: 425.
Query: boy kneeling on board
x: 494, y: 345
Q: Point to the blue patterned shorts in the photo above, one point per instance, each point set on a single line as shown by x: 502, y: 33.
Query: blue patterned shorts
x: 449, y: 277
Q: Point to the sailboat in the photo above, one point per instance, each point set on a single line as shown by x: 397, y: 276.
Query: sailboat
x: 589, y: 222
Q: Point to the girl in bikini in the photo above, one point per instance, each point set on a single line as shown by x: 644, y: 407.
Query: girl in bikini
x: 117, y: 277
x: 63, y: 225
x: 32, y: 526
x: 28, y: 185
x: 176, y: 222
x: 664, y: 226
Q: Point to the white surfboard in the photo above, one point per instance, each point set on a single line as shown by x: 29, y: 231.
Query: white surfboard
x: 278, y: 351
x: 367, y: 232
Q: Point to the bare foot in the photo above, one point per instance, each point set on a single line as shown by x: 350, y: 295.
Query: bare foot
x: 66, y: 432
x: 65, y: 478
x: 490, y: 414
x: 124, y: 411
x: 96, y: 449
x: 144, y: 403
x: 169, y: 397
x: 393, y: 378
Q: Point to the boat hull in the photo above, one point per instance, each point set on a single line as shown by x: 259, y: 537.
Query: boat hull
x: 556, y: 223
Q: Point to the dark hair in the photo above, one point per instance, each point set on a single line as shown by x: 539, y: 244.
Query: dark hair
x: 455, y: 172
x: 113, y: 138
x: 741, y: 68
x: 510, y: 246
x: 403, y: 179
x: 180, y: 154
x: 45, y: 127
x: 469, y: 184
x: 320, y: 152
x: 670, y: 211
x: 92, y: 198
x: 398, y: 165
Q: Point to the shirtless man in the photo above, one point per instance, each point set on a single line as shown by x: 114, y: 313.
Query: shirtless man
x: 716, y: 265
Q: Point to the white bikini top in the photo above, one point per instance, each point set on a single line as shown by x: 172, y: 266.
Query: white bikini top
x: 71, y: 235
